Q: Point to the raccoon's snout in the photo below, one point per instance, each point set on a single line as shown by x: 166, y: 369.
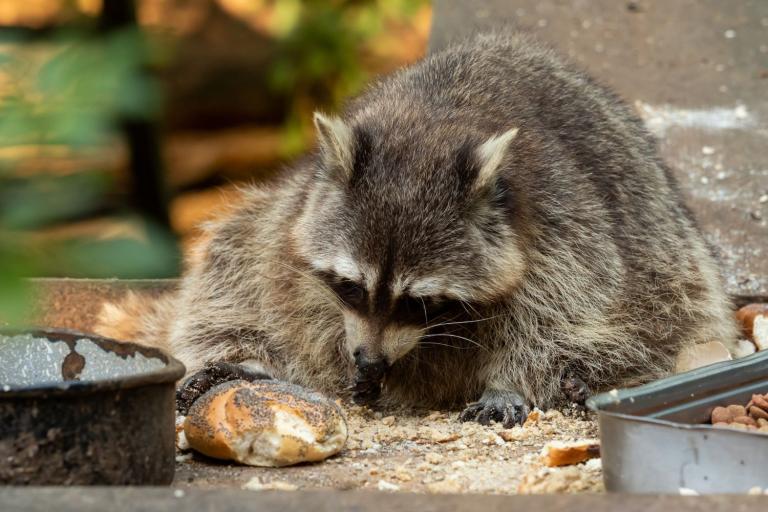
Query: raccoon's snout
x: 370, y: 369
x: 369, y: 378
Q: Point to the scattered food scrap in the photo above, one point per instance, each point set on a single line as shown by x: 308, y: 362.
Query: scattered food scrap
x: 700, y: 355
x: 255, y: 484
x: 569, y: 479
x: 181, y: 438
x: 428, y: 452
x: 560, y: 453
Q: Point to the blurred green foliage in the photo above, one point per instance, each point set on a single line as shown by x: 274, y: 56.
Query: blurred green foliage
x: 66, y: 95
x: 320, y: 50
x: 74, y: 95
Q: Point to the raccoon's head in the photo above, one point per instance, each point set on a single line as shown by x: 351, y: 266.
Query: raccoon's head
x: 405, y: 225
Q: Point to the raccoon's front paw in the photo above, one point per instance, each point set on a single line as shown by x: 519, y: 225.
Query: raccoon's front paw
x: 506, y: 407
x: 212, y: 375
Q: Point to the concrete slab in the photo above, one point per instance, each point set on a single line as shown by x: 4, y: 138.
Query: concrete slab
x: 156, y: 500
x: 697, y: 72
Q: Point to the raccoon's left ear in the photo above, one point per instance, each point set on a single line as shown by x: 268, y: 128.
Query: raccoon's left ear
x: 490, y: 155
x: 335, y: 140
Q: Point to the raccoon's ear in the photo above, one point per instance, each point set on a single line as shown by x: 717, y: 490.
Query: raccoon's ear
x: 490, y: 154
x: 336, y: 142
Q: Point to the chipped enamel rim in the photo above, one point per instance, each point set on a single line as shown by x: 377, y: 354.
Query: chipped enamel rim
x: 172, y: 370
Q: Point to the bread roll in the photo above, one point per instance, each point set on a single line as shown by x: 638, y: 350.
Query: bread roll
x: 265, y: 423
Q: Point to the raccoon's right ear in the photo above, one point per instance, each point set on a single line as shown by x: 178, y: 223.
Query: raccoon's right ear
x: 336, y: 143
x: 490, y: 157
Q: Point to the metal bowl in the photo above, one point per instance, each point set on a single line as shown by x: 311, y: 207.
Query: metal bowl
x: 655, y: 438
x: 80, y: 409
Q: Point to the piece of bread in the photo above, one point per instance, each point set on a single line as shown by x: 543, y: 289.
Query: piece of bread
x: 760, y: 332
x: 265, y: 423
x: 754, y: 321
x: 566, y: 453
x: 703, y: 354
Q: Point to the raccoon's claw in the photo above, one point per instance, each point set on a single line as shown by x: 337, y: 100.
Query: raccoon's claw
x: 471, y: 412
x: 506, y: 407
x: 575, y: 390
x: 212, y: 375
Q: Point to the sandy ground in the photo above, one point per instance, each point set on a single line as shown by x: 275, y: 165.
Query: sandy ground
x: 430, y: 452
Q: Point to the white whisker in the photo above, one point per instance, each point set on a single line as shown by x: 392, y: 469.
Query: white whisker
x: 465, y: 305
x: 443, y: 324
x: 473, y: 342
x: 424, y: 305
x: 443, y: 345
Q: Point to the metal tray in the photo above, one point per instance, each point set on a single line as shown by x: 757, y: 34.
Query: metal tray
x: 654, y: 438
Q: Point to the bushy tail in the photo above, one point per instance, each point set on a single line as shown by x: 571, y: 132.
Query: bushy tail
x: 139, y: 319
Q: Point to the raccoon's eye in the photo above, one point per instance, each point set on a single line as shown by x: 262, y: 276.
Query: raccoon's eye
x: 437, y: 306
x: 410, y: 310
x: 419, y: 310
x: 351, y: 293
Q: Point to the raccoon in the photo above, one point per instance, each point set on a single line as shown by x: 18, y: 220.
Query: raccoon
x: 477, y: 227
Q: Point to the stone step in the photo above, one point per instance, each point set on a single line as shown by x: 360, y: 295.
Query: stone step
x: 120, y: 499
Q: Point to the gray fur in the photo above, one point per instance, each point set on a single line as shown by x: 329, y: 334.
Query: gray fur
x: 578, y: 255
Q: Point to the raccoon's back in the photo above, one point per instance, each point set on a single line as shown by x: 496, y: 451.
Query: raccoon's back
x: 613, y: 246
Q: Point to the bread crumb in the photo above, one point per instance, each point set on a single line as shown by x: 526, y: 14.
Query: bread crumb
x: 434, y: 458
x: 533, y: 418
x: 447, y: 486
x: 255, y: 484
x: 515, y: 433
x: 383, y: 485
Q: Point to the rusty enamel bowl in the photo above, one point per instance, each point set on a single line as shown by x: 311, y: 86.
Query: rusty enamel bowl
x: 79, y: 409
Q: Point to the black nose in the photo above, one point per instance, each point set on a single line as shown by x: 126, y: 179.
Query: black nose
x: 370, y: 369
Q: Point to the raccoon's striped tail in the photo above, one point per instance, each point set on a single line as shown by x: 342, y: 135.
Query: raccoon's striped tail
x: 139, y: 319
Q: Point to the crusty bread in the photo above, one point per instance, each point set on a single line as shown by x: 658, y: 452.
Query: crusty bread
x: 747, y: 316
x: 562, y: 453
x: 265, y: 423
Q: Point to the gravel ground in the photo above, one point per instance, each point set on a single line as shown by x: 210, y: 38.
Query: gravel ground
x: 428, y: 453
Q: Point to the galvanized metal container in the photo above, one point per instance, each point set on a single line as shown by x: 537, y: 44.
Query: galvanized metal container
x: 117, y: 430
x: 654, y: 438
